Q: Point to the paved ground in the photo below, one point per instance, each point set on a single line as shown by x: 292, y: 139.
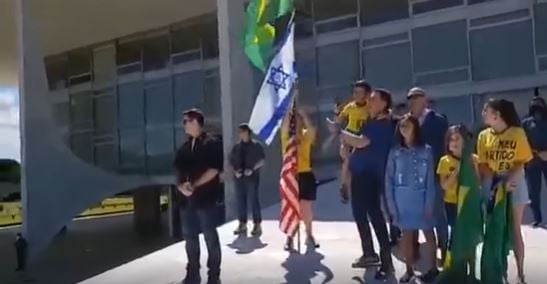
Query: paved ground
x: 262, y: 260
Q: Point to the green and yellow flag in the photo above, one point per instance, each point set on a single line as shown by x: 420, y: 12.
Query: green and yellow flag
x: 260, y: 29
x: 497, y: 239
x: 468, y: 232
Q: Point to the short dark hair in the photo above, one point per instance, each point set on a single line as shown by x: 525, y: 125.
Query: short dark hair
x: 195, y: 114
x: 507, y: 111
x: 385, y: 95
x: 245, y: 127
x: 418, y: 139
x: 363, y: 84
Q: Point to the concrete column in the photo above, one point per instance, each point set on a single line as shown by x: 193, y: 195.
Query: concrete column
x: 147, y: 213
x: 236, y: 82
x: 237, y: 100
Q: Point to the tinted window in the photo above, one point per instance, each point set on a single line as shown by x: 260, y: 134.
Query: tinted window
x: 159, y: 103
x: 327, y: 9
x: 188, y: 88
x: 442, y: 46
x: 104, y: 65
x: 502, y: 51
x: 375, y: 12
x: 156, y: 52
x: 338, y: 63
x: 132, y: 158
x: 81, y: 111
x: 104, y: 112
x: 540, y: 16
x: 160, y: 150
x: 82, y: 145
x: 379, y: 62
x: 131, y: 108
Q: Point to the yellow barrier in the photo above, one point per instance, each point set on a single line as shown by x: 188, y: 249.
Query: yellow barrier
x: 11, y: 212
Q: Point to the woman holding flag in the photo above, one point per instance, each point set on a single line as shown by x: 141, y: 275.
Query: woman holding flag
x: 503, y: 151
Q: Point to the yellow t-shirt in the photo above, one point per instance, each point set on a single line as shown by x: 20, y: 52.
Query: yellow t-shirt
x: 447, y: 165
x: 304, y: 149
x: 355, y: 115
x: 501, y: 150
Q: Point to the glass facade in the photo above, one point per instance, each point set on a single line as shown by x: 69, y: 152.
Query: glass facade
x: 126, y: 97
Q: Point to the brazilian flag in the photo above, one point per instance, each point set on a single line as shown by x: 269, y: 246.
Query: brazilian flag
x: 260, y: 33
x: 468, y: 232
x: 497, y: 239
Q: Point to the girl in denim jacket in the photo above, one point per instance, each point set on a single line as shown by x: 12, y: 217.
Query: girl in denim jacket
x: 411, y: 194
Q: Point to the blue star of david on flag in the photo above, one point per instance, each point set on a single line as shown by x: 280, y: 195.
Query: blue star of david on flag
x: 278, y: 78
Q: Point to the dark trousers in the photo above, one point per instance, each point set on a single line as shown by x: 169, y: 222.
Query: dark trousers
x: 247, y: 192
x: 195, y: 221
x: 534, y: 171
x: 366, y: 203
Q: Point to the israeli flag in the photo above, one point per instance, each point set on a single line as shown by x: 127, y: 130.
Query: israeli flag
x: 276, y: 91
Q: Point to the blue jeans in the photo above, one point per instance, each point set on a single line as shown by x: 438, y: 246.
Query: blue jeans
x: 194, y: 221
x: 247, y: 192
x: 534, y: 171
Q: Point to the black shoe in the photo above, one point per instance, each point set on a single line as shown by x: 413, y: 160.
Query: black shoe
x: 381, y: 275
x: 344, y: 195
x: 241, y: 229
x: 536, y: 224
x: 289, y: 244
x: 407, y: 278
x: 366, y: 261
x: 257, y: 231
x: 430, y: 276
x: 311, y: 243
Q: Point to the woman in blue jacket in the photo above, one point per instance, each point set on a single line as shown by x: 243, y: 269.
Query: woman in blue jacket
x: 411, y: 194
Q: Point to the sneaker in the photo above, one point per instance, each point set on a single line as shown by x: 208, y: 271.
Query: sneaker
x: 213, y: 280
x: 407, y: 277
x: 430, y: 276
x: 257, y: 231
x: 241, y: 229
x: 311, y: 243
x: 289, y: 244
x: 366, y: 261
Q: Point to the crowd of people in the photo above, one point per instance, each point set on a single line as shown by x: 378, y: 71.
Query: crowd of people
x: 399, y: 172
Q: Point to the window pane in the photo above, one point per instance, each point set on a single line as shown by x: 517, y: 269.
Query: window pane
x: 540, y: 16
x: 131, y: 108
x: 160, y: 150
x: 542, y: 63
x: 132, y: 159
x: 471, y: 2
x: 305, y: 65
x: 128, y: 53
x: 81, y: 111
x: 105, y: 113
x: 185, y: 38
x: 303, y: 19
x: 336, y: 25
x: 57, y: 72
x: 104, y: 65
x: 432, y: 5
x: 159, y: 103
x: 520, y: 98
x: 82, y: 146
x: 375, y: 12
x: 443, y: 77
x: 79, y: 62
x: 328, y: 9
x: 457, y: 109
x: 209, y: 38
x: 156, y: 52
x: 211, y: 105
x: 331, y: 95
x: 338, y: 63
x: 379, y: 64
x: 105, y: 156
x: 438, y: 47
x: 180, y: 137
x: 502, y: 51
x: 188, y: 88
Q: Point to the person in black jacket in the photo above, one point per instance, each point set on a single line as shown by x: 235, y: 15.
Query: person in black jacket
x: 246, y: 159
x: 198, y: 165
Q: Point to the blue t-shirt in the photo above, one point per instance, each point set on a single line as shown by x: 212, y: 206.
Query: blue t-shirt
x: 372, y: 159
x: 536, y: 132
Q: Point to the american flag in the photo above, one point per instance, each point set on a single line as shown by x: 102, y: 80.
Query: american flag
x: 288, y: 185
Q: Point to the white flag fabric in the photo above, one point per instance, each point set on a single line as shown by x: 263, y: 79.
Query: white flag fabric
x: 275, y: 93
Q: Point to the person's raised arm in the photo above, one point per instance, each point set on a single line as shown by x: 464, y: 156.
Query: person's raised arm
x: 308, y: 125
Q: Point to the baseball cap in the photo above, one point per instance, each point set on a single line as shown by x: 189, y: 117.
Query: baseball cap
x: 416, y: 91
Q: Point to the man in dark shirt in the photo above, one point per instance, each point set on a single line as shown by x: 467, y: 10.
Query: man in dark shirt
x: 367, y: 165
x: 246, y: 159
x: 198, y: 164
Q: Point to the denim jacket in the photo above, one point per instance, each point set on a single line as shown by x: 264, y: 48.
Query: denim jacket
x: 410, y: 169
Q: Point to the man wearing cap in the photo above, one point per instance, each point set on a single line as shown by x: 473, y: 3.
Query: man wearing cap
x: 246, y: 159
x: 535, y: 126
x: 198, y: 165
x: 434, y: 126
